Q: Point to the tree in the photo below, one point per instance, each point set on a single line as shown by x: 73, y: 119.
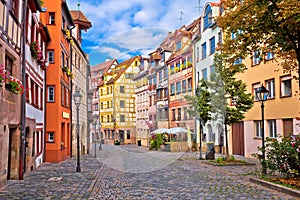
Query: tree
x: 201, y: 107
x: 262, y: 26
x: 229, y: 99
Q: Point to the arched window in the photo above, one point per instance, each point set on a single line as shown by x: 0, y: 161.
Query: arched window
x: 207, y: 17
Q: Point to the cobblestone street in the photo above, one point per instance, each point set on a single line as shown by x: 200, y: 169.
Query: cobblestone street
x: 132, y: 172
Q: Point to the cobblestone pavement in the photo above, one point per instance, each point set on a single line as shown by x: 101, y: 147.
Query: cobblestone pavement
x: 56, y: 181
x: 132, y: 172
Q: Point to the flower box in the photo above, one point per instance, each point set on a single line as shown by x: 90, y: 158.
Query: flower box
x: 14, y: 85
x: 2, y: 74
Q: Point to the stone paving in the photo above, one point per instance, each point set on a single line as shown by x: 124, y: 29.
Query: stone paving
x: 133, y: 172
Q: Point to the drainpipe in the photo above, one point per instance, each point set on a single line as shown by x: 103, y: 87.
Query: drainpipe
x: 23, y: 96
x: 71, y: 96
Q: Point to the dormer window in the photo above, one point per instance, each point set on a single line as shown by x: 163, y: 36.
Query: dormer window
x: 207, y: 17
x: 178, y: 46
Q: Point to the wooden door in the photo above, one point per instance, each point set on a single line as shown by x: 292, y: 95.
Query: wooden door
x: 238, y: 145
x: 287, y: 127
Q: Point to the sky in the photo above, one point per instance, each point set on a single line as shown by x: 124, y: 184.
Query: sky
x: 124, y: 28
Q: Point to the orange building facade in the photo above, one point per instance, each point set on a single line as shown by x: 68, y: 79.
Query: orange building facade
x: 58, y: 81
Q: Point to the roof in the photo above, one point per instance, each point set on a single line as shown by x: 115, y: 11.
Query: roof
x: 79, y: 18
x: 103, y: 66
x: 120, y: 71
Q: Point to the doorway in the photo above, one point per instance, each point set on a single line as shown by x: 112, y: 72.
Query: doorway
x: 238, y: 146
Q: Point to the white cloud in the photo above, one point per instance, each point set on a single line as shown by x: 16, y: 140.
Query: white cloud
x: 134, y: 24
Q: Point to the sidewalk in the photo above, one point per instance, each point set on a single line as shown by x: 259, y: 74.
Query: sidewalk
x: 56, y: 181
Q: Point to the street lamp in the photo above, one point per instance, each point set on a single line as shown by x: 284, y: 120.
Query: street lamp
x: 77, y: 98
x: 95, y: 116
x: 100, y: 146
x: 262, y: 94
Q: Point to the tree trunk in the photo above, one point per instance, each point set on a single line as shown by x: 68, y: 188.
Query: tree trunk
x: 226, y: 140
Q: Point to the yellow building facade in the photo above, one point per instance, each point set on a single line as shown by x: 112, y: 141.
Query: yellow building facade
x: 117, y: 102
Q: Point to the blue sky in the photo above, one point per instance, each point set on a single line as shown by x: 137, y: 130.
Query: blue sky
x: 123, y: 28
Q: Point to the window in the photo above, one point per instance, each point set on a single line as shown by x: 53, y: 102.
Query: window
x: 258, y: 128
x: 50, y: 56
x: 256, y: 58
x: 50, y: 137
x: 183, y: 86
x: 185, y: 114
x: 271, y: 87
x: 108, y: 118
x: 166, y: 75
x: 51, y: 18
x: 63, y: 95
x: 254, y: 87
x: 190, y: 84
x: 204, y: 74
x: 172, y: 89
x: 207, y: 17
x: 15, y: 8
x: 272, y: 128
x: 122, y: 118
x: 269, y: 56
x: 238, y: 61
x: 178, y: 46
x: 128, y: 134
x: 101, y: 105
x: 286, y: 86
x: 63, y: 59
x: 173, y: 115
x: 122, y: 104
x: 8, y: 66
x: 212, y: 45
x: 50, y: 94
x: 197, y: 54
x: 220, y: 37
x: 160, y: 76
x: 212, y: 72
x: 178, y: 88
x: 108, y: 106
x: 122, y: 89
x: 203, y: 48
x: 179, y: 114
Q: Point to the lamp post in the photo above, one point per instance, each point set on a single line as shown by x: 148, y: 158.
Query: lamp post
x: 100, y: 146
x: 262, y: 94
x: 95, y: 124
x: 77, y: 98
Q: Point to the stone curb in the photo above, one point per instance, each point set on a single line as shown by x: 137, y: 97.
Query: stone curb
x: 223, y: 165
x: 276, y: 187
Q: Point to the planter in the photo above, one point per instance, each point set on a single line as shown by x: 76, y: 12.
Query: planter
x: 9, y: 88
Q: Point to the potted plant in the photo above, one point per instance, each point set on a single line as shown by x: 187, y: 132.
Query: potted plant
x: 14, y: 85
x: 117, y: 142
x: 35, y: 50
x: 2, y: 74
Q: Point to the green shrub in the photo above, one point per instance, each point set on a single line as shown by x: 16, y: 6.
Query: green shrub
x: 282, y: 156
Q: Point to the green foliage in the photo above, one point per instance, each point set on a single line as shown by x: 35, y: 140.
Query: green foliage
x: 200, y: 102
x: 282, y: 156
x: 263, y: 26
x: 117, y: 142
x: 157, y: 140
x: 230, y: 100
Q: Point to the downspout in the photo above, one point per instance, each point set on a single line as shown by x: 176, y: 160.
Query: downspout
x: 71, y: 96
x: 23, y: 97
x: 87, y: 104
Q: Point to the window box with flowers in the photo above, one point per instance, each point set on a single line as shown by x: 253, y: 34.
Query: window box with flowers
x: 2, y: 74
x: 14, y: 85
x: 68, y: 72
x: 149, y: 87
x: 43, y: 64
x: 35, y: 50
x: 68, y: 35
x: 189, y: 64
x: 153, y: 86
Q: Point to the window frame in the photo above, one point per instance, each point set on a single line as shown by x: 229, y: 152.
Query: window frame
x: 53, y: 137
x: 257, y: 125
x: 51, y: 20
x: 203, y: 51
x: 271, y: 89
x: 48, y: 95
x: 285, y: 78
x: 272, y: 128
x: 212, y: 45
x: 49, y: 52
